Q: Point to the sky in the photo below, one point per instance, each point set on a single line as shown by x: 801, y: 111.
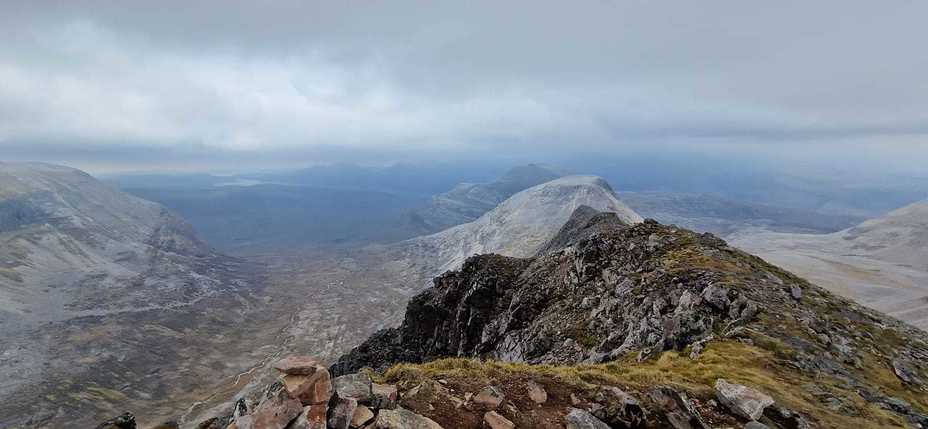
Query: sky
x: 220, y: 85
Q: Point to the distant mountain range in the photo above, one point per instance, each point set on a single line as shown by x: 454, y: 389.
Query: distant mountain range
x: 723, y: 216
x: 882, y: 262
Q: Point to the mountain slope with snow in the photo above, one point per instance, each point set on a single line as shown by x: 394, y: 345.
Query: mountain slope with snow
x: 468, y: 201
x: 520, y: 225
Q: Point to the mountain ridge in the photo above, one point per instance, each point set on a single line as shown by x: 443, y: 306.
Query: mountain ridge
x: 468, y: 201
x: 519, y: 226
x: 634, y: 294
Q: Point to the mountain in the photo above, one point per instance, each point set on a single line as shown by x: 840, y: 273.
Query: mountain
x: 705, y: 212
x: 519, y: 226
x: 613, y: 325
x: 73, y: 246
x: 660, y: 319
x: 468, y: 201
x: 882, y: 262
x: 105, y: 299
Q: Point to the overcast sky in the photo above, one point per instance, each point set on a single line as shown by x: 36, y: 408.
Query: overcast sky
x: 235, y: 84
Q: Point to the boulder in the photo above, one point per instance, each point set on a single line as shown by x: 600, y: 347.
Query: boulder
x: 489, y: 396
x: 579, y: 419
x: 401, y: 418
x: 716, y: 296
x: 309, y: 389
x: 755, y: 425
x: 536, y: 393
x: 619, y: 409
x: 496, y: 421
x: 275, y: 412
x: 906, y: 372
x: 298, y: 365
x: 361, y: 416
x: 312, y: 417
x: 342, y: 412
x: 742, y: 400
x: 357, y: 386
x: 677, y: 408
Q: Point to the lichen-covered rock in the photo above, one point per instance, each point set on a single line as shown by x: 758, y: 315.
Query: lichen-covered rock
x: 342, y: 412
x: 496, y: 421
x: 742, y: 400
x: 579, y: 419
x: 677, y: 409
x: 536, y: 393
x: 489, y: 397
x: 403, y: 419
x: 275, y: 412
x: 619, y: 409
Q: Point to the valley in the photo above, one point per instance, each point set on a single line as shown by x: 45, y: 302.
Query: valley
x: 185, y: 355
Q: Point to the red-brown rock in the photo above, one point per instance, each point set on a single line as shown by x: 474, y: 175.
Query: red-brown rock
x: 298, y: 365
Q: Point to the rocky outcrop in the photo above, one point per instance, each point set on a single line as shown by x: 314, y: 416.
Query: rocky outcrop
x: 618, y: 292
x: 306, y: 397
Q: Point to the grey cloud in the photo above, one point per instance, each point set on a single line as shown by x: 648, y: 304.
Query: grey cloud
x: 329, y: 80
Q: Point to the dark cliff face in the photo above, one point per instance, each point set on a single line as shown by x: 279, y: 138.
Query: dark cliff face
x: 640, y: 290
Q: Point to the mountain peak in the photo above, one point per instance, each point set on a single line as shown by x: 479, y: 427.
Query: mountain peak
x: 520, y: 225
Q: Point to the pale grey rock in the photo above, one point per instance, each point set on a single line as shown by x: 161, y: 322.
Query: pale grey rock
x: 401, y: 418
x: 579, y: 419
x: 496, y: 421
x: 742, y: 400
x: 536, y: 393
x: 489, y: 396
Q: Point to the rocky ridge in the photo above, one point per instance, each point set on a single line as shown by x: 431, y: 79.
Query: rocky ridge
x: 621, y: 300
x: 614, y: 325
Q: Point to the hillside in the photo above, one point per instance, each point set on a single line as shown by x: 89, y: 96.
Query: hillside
x: 81, y: 240
x: 98, y: 291
x: 519, y: 226
x: 648, y: 305
x: 617, y: 325
x: 882, y: 262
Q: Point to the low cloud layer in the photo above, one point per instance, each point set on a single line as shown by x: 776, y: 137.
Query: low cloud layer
x: 170, y: 84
